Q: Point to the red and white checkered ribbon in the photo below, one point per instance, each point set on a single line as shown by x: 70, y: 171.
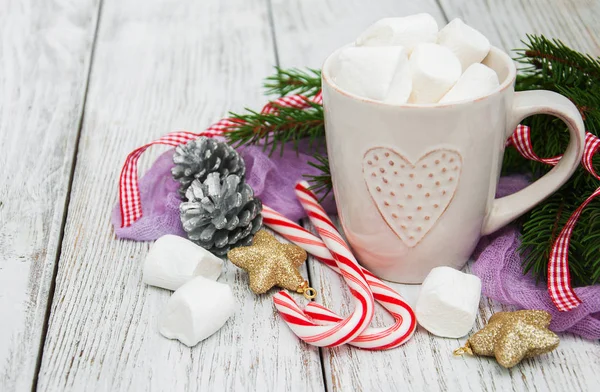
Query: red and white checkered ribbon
x: 559, y: 278
x: 371, y: 338
x: 292, y: 101
x: 129, y: 193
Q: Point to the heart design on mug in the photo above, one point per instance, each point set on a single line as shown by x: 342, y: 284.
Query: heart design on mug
x: 411, y: 197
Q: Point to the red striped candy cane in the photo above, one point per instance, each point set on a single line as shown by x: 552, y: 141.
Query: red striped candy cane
x: 342, y: 255
x: 371, y: 338
x: 344, y: 330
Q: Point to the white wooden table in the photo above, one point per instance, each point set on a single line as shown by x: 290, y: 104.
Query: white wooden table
x: 84, y: 82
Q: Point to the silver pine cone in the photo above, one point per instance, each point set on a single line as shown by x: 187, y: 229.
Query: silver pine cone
x: 221, y: 213
x: 198, y: 158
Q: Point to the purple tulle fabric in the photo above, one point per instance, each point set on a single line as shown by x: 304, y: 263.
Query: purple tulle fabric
x: 498, y: 263
x: 271, y: 177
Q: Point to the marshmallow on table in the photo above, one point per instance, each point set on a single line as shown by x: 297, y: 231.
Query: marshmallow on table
x: 173, y: 260
x: 477, y: 81
x: 407, y: 31
x: 196, y: 310
x: 374, y: 72
x: 448, y: 302
x: 434, y: 70
x: 468, y: 44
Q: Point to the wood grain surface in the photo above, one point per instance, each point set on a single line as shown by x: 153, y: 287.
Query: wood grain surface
x: 45, y: 49
x: 155, y: 66
x: 160, y: 66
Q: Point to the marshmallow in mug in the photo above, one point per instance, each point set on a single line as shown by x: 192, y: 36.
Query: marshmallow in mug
x: 407, y: 32
x: 448, y: 302
x: 468, y: 44
x: 172, y: 261
x: 434, y: 70
x: 476, y: 82
x: 379, y: 73
x: 197, y: 310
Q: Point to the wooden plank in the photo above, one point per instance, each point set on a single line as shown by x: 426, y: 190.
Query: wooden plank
x: 160, y: 66
x: 44, y: 62
x: 306, y: 33
x: 508, y: 22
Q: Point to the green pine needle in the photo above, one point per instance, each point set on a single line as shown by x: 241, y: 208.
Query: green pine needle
x: 273, y: 130
x: 293, y: 81
x: 551, y: 63
x: 321, y: 184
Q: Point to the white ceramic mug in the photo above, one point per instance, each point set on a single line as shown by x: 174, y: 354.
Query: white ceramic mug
x: 415, y: 184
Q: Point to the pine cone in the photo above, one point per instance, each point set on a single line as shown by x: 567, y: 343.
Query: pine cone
x: 221, y: 213
x: 197, y: 158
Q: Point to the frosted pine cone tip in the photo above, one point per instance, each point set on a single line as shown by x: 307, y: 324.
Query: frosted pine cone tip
x: 220, y: 213
x: 198, y: 158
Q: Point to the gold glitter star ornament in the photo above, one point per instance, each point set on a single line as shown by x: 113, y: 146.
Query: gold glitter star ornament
x: 512, y: 336
x: 271, y: 263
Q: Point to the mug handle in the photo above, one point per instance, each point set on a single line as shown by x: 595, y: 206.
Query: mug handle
x: 525, y: 104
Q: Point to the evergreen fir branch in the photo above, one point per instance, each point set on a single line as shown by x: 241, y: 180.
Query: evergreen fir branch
x: 542, y: 226
x: 588, y: 103
x: 293, y: 81
x: 553, y: 66
x: 591, y: 244
x: 321, y: 184
x: 558, y: 64
x: 273, y: 130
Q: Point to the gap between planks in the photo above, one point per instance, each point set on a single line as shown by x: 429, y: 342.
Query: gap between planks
x: 66, y: 207
x: 308, y: 270
x: 45, y: 55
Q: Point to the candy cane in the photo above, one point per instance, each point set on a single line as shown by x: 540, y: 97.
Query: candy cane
x: 342, y: 330
x: 371, y: 338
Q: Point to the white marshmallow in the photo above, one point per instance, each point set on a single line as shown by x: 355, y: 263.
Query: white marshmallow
x: 477, y: 81
x: 196, y: 310
x: 401, y: 85
x: 407, y: 31
x: 448, y: 302
x: 374, y: 72
x: 173, y: 261
x: 434, y: 70
x: 468, y: 44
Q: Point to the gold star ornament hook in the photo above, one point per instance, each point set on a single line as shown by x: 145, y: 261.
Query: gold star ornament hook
x: 513, y: 336
x: 271, y: 263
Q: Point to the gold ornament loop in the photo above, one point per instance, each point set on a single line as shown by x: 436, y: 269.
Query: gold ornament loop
x: 309, y: 292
